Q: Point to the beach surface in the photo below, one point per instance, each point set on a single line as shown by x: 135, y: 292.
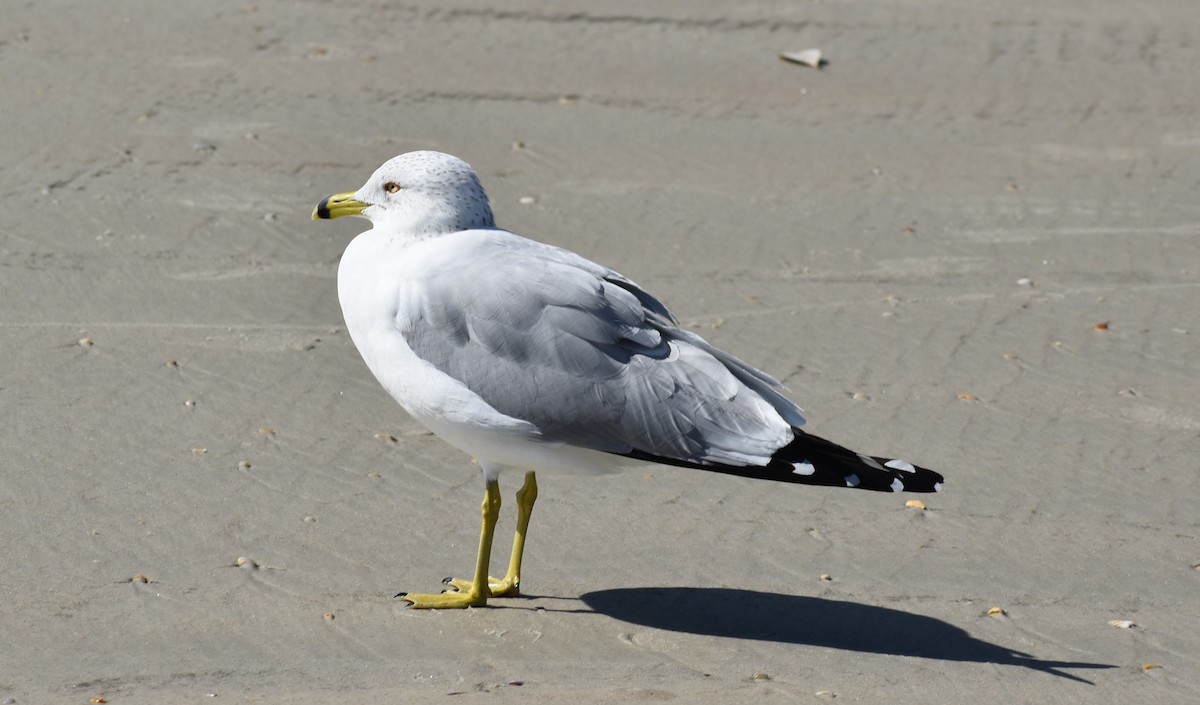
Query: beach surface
x: 970, y: 240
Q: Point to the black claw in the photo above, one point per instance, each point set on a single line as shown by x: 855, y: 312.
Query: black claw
x: 400, y: 594
x: 447, y: 581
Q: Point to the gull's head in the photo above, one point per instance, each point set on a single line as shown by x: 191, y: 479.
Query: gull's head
x: 420, y: 194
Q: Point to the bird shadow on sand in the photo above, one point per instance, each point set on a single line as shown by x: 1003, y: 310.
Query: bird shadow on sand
x: 812, y: 621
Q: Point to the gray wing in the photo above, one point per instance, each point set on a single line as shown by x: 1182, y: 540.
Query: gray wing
x: 591, y: 359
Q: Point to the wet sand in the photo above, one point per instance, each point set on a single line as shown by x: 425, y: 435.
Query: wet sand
x: 920, y: 239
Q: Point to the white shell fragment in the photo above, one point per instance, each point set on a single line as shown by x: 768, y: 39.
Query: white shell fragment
x: 808, y: 57
x: 1122, y: 623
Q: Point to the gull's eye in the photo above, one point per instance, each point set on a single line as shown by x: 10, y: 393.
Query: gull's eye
x: 391, y: 187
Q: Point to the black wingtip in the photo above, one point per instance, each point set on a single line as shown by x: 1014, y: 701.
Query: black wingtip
x: 812, y: 460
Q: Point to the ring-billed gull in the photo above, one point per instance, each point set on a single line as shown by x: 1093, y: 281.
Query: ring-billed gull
x: 529, y: 356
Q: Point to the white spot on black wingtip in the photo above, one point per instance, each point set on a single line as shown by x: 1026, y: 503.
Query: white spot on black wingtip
x: 804, y: 468
x: 897, y: 485
x: 868, y: 460
x: 937, y: 487
x: 901, y: 465
x: 853, y: 481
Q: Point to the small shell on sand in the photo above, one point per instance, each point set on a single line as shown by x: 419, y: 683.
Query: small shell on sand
x: 968, y: 397
x: 1122, y: 623
x: 138, y: 578
x: 807, y: 57
x: 244, y: 562
x: 997, y: 612
x: 760, y: 676
x: 915, y: 504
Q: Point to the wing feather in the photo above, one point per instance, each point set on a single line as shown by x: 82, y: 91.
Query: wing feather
x: 587, y: 356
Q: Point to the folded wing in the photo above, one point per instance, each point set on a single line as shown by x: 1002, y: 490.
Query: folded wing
x: 588, y: 357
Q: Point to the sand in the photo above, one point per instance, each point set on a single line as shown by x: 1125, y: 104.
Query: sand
x: 921, y: 239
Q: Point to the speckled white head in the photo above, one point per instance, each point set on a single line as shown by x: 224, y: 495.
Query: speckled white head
x: 425, y: 194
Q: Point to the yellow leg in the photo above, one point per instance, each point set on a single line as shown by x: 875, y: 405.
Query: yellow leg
x: 476, y: 592
x: 510, y: 585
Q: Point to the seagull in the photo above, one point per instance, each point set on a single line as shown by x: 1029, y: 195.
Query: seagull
x: 531, y: 357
